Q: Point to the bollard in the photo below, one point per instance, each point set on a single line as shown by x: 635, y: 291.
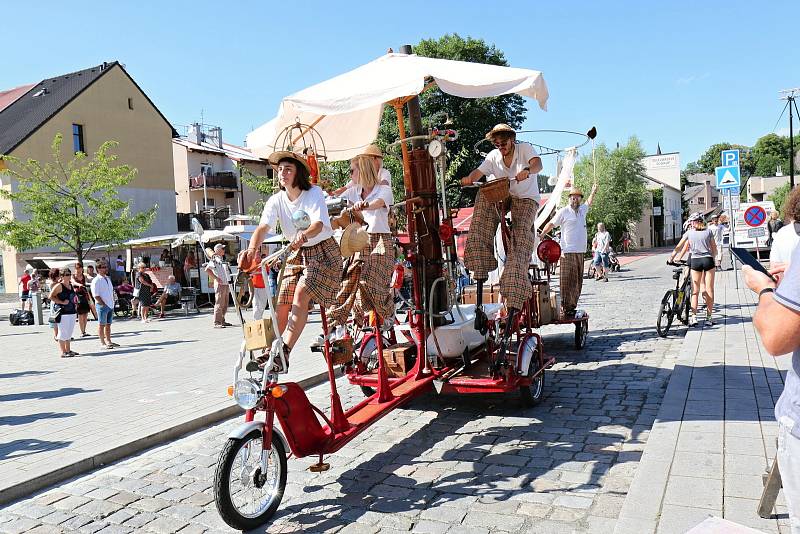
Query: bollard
x: 36, y: 307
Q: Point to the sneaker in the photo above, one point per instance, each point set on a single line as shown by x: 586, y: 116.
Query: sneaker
x: 318, y: 342
x: 160, y: 315
x: 113, y: 345
x: 605, y: 279
x: 73, y: 353
x: 108, y: 347
x: 226, y: 324
x: 692, y: 319
x: 86, y: 335
x: 219, y: 326
x: 709, y: 320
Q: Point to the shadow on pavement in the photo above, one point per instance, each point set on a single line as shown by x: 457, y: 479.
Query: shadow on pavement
x: 30, y: 395
x: 25, y: 447
x: 24, y: 373
x: 14, y: 420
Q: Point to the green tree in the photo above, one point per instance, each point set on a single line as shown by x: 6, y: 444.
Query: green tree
x: 73, y: 206
x: 264, y: 185
x: 779, y: 196
x: 712, y: 159
x: 621, y: 192
x: 770, y: 152
x: 471, y: 117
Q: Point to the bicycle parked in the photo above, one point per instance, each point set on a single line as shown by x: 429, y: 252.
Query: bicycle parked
x: 675, y: 302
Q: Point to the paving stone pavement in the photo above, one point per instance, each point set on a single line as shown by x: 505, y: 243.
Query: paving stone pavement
x: 60, y: 417
x: 441, y: 464
x: 716, y: 429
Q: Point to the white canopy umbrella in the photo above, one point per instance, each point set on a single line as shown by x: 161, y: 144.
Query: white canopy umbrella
x: 346, y: 110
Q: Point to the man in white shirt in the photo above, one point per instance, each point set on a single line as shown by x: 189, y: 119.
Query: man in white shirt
x: 520, y: 163
x: 217, y: 270
x: 572, y: 220
x: 103, y: 293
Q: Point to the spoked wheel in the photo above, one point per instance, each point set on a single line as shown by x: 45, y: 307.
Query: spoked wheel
x: 247, y: 497
x: 581, y: 333
x: 532, y: 394
x: 665, y: 316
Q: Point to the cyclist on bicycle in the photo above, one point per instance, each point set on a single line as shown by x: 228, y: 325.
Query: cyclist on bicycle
x: 521, y: 164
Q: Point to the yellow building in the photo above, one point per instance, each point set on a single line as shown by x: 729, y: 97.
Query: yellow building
x: 87, y: 108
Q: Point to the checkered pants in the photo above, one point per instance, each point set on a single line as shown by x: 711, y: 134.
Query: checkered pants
x: 370, y: 271
x: 571, y: 280
x: 479, y: 257
x: 318, y: 267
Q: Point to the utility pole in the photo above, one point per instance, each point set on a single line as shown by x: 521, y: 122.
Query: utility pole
x: 789, y: 96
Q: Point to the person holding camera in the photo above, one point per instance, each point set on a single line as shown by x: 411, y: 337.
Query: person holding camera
x: 777, y: 320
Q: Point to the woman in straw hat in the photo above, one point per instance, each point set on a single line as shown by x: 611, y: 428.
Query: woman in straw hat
x: 521, y: 164
x: 375, y: 261
x: 317, y: 266
x: 375, y: 156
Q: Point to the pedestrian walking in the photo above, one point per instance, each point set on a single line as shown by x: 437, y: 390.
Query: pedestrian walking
x: 777, y: 320
x: 24, y: 289
x: 773, y: 226
x: 787, y: 238
x: 699, y: 243
x: 716, y: 229
x: 85, y: 302
x: 53, y: 278
x: 66, y: 301
x: 217, y: 270
x: 146, y: 288
x: 119, y: 269
x: 103, y: 291
x: 572, y: 220
x: 601, y: 245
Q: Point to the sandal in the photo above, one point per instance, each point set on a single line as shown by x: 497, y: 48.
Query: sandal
x: 73, y: 353
x: 66, y: 355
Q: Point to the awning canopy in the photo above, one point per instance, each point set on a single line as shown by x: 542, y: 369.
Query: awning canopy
x: 346, y: 110
x: 209, y: 236
x: 152, y: 241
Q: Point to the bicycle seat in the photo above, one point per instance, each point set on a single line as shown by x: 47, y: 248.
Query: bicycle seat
x: 679, y: 270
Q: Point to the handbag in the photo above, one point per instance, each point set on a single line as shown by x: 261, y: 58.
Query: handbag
x: 55, y: 315
x: 136, y: 292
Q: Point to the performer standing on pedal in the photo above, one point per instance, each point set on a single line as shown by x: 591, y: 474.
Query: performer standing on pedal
x: 572, y: 220
x: 521, y: 164
x: 375, y: 263
x: 317, y: 265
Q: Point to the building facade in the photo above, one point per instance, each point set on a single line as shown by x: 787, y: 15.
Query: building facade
x: 208, y: 177
x: 663, y: 222
x: 87, y: 108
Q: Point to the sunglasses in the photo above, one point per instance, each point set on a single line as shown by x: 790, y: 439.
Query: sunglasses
x: 498, y: 144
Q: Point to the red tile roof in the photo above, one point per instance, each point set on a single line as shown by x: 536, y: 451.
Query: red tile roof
x: 9, y: 97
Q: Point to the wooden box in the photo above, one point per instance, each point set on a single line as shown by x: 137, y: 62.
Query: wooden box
x: 342, y: 351
x: 399, y: 359
x: 258, y: 334
x: 491, y: 294
x: 541, y: 293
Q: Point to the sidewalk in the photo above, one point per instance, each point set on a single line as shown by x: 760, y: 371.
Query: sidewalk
x: 60, y: 417
x: 715, y: 432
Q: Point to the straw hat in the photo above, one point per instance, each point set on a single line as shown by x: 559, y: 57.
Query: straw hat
x: 500, y: 128
x: 575, y: 191
x: 372, y: 150
x: 354, y: 239
x: 278, y: 155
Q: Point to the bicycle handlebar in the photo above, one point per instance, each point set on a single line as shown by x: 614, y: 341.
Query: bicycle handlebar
x: 681, y: 263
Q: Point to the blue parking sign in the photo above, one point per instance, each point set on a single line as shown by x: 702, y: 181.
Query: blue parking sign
x: 730, y: 158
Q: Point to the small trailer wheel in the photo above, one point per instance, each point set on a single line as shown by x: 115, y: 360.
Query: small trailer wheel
x: 533, y: 394
x: 581, y: 333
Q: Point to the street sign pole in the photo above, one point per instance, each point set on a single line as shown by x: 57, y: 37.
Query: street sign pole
x: 731, y: 236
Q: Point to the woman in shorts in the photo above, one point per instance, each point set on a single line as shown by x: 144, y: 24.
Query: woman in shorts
x: 699, y: 242
x: 314, y: 270
x: 64, y: 297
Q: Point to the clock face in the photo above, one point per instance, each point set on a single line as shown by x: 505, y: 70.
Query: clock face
x: 435, y: 148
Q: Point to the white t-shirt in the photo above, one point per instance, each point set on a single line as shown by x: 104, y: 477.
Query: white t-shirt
x: 717, y: 232
x: 602, y: 242
x: 573, y: 228
x: 523, y: 154
x: 103, y: 288
x: 377, y: 220
x: 220, y: 269
x: 279, y: 209
x: 783, y: 244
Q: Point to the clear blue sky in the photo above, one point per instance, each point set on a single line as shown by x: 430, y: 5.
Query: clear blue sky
x: 684, y: 74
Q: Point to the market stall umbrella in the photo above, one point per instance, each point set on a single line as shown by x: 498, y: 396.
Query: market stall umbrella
x: 346, y: 110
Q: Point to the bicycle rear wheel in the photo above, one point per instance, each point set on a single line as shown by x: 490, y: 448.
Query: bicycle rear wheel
x: 665, y: 314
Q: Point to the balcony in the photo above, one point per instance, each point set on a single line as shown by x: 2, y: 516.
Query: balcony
x: 213, y: 219
x: 218, y: 180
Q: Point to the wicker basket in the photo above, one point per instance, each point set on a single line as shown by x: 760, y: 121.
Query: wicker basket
x: 495, y: 190
x: 341, y: 351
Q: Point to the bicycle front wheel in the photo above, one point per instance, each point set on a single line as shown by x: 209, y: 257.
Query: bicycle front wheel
x: 665, y: 315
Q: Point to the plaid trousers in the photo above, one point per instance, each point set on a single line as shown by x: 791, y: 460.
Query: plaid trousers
x: 571, y: 280
x: 479, y: 257
x: 318, y: 267
x: 370, y: 271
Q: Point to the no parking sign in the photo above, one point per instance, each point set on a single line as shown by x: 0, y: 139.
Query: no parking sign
x: 755, y: 216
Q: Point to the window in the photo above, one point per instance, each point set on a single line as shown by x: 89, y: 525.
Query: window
x: 700, y: 200
x: 209, y: 202
x: 77, y: 139
x: 130, y: 103
x: 714, y: 199
x: 206, y: 169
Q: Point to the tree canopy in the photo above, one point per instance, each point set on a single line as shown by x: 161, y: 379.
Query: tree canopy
x: 471, y: 117
x: 621, y: 192
x: 73, y: 206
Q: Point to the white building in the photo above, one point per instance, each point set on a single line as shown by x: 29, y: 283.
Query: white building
x: 664, y: 173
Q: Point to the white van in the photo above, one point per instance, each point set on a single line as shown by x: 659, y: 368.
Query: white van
x: 743, y: 235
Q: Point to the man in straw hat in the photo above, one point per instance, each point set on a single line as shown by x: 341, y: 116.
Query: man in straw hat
x: 375, y: 156
x: 572, y: 220
x: 521, y: 164
x: 316, y: 268
x: 217, y: 270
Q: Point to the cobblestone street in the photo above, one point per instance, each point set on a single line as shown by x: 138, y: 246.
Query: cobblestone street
x: 441, y: 464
